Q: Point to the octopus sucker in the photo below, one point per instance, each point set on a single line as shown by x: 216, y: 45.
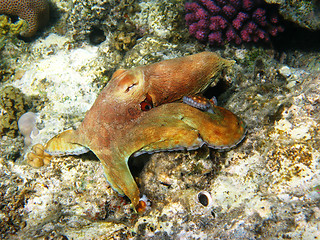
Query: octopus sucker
x: 140, y: 110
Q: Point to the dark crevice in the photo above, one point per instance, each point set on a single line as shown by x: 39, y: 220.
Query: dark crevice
x: 297, y: 38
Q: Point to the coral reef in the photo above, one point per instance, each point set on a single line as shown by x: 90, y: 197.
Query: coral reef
x: 305, y: 13
x: 219, y: 22
x: 93, y: 20
x: 9, y: 30
x: 10, y: 45
x: 11, y: 148
x: 97, y: 20
x: 52, y: 205
x: 150, y: 49
x: 12, y: 202
x: 40, y: 77
x: 124, y: 41
x: 5, y: 71
x: 161, y: 20
x: 34, y: 12
x: 266, y: 188
x: 13, y: 104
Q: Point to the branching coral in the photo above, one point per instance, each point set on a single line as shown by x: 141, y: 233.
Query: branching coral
x: 221, y: 21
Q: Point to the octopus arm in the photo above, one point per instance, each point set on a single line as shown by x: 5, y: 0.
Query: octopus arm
x: 64, y: 144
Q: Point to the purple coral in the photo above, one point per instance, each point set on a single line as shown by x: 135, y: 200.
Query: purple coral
x: 220, y: 21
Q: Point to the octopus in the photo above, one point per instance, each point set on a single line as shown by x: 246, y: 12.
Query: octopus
x: 148, y: 109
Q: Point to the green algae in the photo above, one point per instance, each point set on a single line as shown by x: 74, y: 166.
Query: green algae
x: 253, y: 55
x: 305, y: 13
x: 13, y: 102
x: 9, y: 30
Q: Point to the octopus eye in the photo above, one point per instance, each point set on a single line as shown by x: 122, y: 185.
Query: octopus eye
x: 147, y: 104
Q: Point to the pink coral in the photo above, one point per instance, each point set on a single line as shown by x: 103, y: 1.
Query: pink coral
x: 221, y: 21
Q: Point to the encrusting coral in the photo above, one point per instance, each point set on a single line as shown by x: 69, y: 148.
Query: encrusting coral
x: 34, y: 12
x: 7, y: 28
x: 13, y: 102
x: 221, y: 21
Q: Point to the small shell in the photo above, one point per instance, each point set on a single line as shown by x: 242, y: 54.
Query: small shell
x: 204, y: 198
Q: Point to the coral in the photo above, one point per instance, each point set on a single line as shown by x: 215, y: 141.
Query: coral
x: 93, y: 20
x: 5, y: 71
x: 238, y: 21
x: 108, y: 19
x: 8, y: 33
x: 8, y: 29
x: 124, y: 41
x: 12, y: 202
x: 27, y: 126
x: 13, y: 103
x: 305, y: 13
x: 34, y: 12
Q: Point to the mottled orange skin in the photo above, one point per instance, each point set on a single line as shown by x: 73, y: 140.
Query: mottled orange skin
x: 178, y: 125
x: 116, y: 126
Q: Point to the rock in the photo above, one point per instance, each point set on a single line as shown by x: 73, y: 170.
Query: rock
x: 304, y: 13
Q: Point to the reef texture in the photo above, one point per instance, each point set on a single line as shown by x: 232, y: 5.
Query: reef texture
x: 95, y: 20
x: 305, y: 13
x: 12, y: 105
x: 265, y: 188
x: 237, y: 21
x: 34, y: 12
x: 9, y: 29
x: 124, y: 21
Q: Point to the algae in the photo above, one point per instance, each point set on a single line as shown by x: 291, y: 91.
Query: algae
x: 13, y: 102
x: 10, y: 30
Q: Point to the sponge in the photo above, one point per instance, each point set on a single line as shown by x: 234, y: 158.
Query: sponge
x: 27, y: 126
